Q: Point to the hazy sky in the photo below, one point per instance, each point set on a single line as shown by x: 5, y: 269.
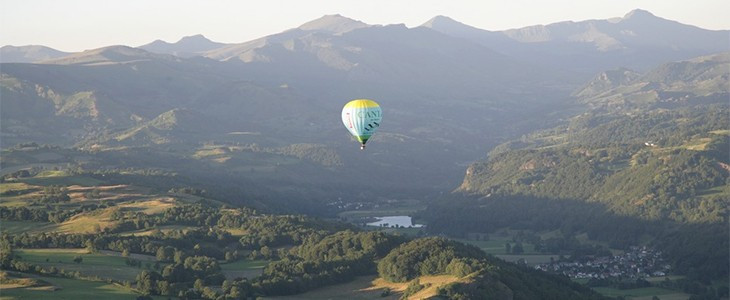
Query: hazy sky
x: 75, y: 25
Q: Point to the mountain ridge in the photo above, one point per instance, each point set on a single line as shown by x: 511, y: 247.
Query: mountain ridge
x: 28, y: 54
x: 559, y: 40
x: 639, y: 40
x: 336, y: 24
x: 187, y: 46
x: 108, y: 55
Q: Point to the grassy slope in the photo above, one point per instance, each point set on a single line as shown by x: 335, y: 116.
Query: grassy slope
x: 17, y: 227
x: 93, y: 264
x: 371, y: 287
x: 71, y: 289
x: 642, y: 293
x: 244, y: 268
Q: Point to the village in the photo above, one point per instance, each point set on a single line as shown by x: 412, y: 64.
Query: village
x: 637, y: 262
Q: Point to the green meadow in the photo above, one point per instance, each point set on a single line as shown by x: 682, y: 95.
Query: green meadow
x: 244, y: 268
x: 62, y: 180
x: 17, y: 227
x: 71, y: 289
x: 642, y: 293
x: 92, y: 264
x: 244, y: 264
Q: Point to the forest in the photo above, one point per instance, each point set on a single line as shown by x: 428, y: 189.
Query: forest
x: 639, y: 174
x: 187, y: 264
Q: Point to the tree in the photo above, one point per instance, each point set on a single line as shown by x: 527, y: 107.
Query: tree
x: 179, y: 256
x: 266, y: 252
x: 199, y: 284
x: 163, y: 287
x: 90, y: 247
x: 165, y: 253
x: 507, y: 248
x: 517, y: 249
x: 147, y: 282
x: 6, y: 253
x: 78, y: 259
x: 229, y: 256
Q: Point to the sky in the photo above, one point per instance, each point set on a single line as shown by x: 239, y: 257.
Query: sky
x: 76, y: 25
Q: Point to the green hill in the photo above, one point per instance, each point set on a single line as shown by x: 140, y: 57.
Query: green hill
x: 180, y: 243
x: 646, y: 164
x: 661, y: 159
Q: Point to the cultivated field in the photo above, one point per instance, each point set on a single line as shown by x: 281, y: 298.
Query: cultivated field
x: 55, y: 288
x: 244, y: 268
x: 92, y: 265
x: 642, y: 293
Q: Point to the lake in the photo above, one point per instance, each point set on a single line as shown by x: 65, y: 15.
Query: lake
x: 402, y: 221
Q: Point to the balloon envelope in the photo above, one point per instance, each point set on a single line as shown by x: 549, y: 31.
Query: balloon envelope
x: 362, y: 118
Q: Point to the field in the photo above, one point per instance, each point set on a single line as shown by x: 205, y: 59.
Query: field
x: 15, y: 193
x: 162, y: 228
x: 244, y: 268
x: 236, y: 231
x: 88, y: 222
x: 59, y: 179
x: 358, y: 289
x: 15, y: 186
x: 150, y: 206
x: 398, y: 208
x: 17, y: 227
x: 496, y: 245
x: 72, y: 289
x: 371, y: 287
x: 530, y: 259
x: 661, y: 279
x: 411, y: 232
x: 82, y: 190
x: 92, y: 264
x: 433, y: 284
x: 642, y: 293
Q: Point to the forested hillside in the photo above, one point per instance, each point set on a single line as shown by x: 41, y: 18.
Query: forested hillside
x: 647, y: 164
x: 62, y: 229
x: 662, y: 158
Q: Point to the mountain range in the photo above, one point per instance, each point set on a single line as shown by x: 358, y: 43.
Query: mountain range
x: 29, y: 54
x: 449, y: 91
x: 188, y: 46
x: 637, y: 40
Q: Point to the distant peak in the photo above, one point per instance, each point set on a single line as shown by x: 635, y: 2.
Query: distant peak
x: 445, y: 23
x: 441, y: 18
x: 197, y: 37
x: 638, y: 13
x: 116, y: 48
x: 333, y: 23
x: 116, y: 51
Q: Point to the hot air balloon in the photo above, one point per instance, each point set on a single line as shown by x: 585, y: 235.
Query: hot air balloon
x: 362, y: 118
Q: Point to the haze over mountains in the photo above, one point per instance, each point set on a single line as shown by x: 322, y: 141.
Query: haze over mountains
x: 28, y: 54
x: 450, y: 91
x: 186, y: 47
x: 633, y: 37
x: 566, y: 143
x: 638, y: 40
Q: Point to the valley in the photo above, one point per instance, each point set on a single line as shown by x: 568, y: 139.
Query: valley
x: 575, y: 160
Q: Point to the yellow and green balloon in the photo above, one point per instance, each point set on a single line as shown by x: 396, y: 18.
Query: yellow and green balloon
x: 362, y: 118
